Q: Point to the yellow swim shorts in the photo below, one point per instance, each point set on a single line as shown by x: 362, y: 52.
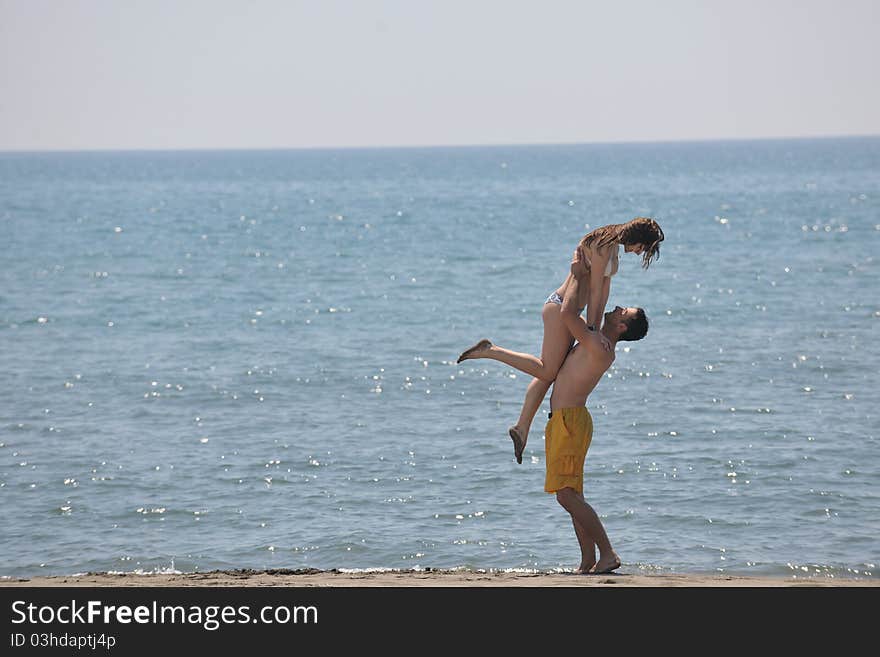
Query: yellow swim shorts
x: 566, y: 441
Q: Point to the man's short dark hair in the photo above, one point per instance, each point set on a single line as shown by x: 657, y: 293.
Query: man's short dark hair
x: 637, y: 327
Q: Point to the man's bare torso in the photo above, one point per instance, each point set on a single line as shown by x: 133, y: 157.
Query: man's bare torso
x: 580, y: 373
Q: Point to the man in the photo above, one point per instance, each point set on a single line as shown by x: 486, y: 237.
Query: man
x: 569, y: 429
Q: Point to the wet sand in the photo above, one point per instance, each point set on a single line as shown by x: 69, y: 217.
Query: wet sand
x: 410, y: 578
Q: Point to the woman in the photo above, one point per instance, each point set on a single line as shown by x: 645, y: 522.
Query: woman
x: 599, y: 251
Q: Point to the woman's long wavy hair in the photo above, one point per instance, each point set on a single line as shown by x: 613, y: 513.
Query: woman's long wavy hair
x: 641, y: 230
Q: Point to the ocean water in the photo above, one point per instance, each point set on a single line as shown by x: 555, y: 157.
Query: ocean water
x: 247, y: 359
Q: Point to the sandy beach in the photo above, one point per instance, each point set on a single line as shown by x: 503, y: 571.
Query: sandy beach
x: 422, y: 578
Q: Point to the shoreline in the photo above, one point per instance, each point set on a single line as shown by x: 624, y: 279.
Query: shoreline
x: 307, y: 578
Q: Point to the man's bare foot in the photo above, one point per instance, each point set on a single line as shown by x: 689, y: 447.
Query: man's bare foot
x: 519, y: 442
x: 606, y: 565
x: 473, y: 352
x: 585, y: 569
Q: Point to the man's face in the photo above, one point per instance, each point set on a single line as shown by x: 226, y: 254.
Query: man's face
x: 619, y: 318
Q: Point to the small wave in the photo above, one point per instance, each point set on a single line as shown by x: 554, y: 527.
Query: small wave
x: 158, y: 570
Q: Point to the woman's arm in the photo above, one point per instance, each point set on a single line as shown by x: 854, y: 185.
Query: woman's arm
x: 566, y: 285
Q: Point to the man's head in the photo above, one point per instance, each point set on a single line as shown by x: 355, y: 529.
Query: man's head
x: 627, y: 323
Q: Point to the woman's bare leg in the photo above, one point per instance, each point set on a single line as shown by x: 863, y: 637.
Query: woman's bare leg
x: 523, y: 362
x: 557, y: 342
x: 519, y: 432
x: 554, y: 349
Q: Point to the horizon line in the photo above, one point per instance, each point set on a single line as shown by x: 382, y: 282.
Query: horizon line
x: 433, y: 146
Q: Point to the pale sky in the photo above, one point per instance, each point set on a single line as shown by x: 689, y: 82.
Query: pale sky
x: 163, y: 74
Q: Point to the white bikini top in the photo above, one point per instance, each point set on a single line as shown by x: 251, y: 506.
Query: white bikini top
x: 613, y: 262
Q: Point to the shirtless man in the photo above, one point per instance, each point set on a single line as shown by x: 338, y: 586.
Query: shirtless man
x: 570, y: 428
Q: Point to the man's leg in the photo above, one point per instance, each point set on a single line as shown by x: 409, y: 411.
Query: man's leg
x: 584, y: 515
x: 588, y: 548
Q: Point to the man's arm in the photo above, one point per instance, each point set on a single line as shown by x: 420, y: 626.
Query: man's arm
x: 596, y: 307
x: 571, y: 313
x: 602, y: 301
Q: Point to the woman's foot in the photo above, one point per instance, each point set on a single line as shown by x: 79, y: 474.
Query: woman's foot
x: 606, y: 564
x: 475, y: 351
x: 519, y: 441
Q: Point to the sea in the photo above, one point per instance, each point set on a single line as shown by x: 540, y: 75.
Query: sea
x: 247, y: 359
